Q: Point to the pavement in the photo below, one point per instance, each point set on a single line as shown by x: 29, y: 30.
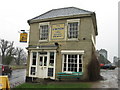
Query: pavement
x: 17, y: 78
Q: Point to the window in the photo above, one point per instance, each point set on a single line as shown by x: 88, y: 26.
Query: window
x: 34, y: 58
x: 50, y: 72
x: 44, y: 32
x: 51, y: 62
x: 72, y: 63
x: 73, y: 30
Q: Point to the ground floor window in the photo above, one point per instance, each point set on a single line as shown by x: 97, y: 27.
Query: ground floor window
x: 32, y: 71
x: 72, y: 62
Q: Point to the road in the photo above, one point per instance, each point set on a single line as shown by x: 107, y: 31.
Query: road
x: 111, y: 79
x: 18, y: 77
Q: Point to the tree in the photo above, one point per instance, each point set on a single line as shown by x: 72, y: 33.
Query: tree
x: 7, y: 49
x: 20, y: 55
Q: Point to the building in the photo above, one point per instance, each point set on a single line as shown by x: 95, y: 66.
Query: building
x: 103, y: 52
x: 102, y: 56
x: 116, y: 60
x: 62, y: 40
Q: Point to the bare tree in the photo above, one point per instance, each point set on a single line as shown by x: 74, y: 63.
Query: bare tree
x: 20, y: 55
x: 6, y: 48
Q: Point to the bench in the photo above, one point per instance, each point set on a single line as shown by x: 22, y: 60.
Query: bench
x: 61, y: 75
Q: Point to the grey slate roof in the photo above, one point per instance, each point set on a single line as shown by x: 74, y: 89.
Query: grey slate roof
x: 68, y: 11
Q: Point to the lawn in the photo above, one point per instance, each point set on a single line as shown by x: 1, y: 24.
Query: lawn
x: 18, y: 67
x: 71, y: 85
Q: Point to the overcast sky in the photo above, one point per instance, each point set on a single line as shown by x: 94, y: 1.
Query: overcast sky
x: 15, y: 13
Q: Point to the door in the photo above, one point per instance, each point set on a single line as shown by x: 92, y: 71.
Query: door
x: 42, y: 68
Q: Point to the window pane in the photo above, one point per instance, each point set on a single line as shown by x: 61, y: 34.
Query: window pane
x: 32, y: 71
x: 51, y: 62
x: 41, y: 61
x: 50, y: 72
x: 80, y: 69
x: 45, y: 61
x: 34, y: 58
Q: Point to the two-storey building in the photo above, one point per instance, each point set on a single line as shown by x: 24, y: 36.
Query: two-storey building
x: 62, y: 40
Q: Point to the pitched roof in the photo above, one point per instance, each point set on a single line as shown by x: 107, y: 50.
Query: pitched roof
x: 68, y: 11
x: 64, y: 13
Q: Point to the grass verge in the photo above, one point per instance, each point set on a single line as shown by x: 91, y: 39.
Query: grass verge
x: 18, y: 67
x: 72, y: 85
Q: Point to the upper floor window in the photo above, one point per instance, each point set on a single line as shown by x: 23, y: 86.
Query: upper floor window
x: 73, y: 30
x: 44, y: 32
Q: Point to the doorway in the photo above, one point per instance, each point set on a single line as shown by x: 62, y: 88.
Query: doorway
x: 43, y: 66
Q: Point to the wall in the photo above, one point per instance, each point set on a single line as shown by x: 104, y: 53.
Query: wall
x: 84, y: 42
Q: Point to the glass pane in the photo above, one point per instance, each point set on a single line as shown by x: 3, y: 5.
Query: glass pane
x: 80, y: 69
x: 45, y: 61
x: 34, y: 58
x: 75, y: 69
x: 32, y: 71
x: 41, y: 61
x: 64, y: 69
x: 51, y: 62
x: 80, y: 65
x: 34, y: 61
x: 50, y: 72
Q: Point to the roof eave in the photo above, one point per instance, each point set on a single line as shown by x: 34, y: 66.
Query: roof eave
x: 58, y: 18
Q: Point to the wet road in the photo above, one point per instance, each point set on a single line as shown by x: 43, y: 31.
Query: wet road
x: 18, y: 77
x: 111, y: 79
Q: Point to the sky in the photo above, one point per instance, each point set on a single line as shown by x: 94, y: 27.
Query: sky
x: 15, y: 13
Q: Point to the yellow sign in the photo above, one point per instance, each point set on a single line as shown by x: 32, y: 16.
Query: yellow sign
x: 23, y: 37
x: 58, y: 31
x: 4, y: 83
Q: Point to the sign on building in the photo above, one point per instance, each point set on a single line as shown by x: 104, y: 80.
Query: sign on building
x: 23, y: 37
x: 58, y: 31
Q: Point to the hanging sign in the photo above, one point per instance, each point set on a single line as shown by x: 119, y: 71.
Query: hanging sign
x: 23, y: 37
x: 58, y: 31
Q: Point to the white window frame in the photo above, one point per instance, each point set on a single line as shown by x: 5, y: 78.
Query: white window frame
x: 43, y: 24
x: 31, y: 60
x: 73, y: 21
x: 72, y: 52
x: 37, y: 62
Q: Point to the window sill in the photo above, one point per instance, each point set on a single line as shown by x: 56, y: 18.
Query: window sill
x: 73, y: 39
x: 43, y: 40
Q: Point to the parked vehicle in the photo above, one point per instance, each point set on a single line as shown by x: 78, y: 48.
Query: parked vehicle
x: 108, y: 66
x: 5, y: 70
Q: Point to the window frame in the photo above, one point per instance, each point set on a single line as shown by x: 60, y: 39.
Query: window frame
x: 44, y: 24
x: 72, y: 52
x: 73, y: 21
